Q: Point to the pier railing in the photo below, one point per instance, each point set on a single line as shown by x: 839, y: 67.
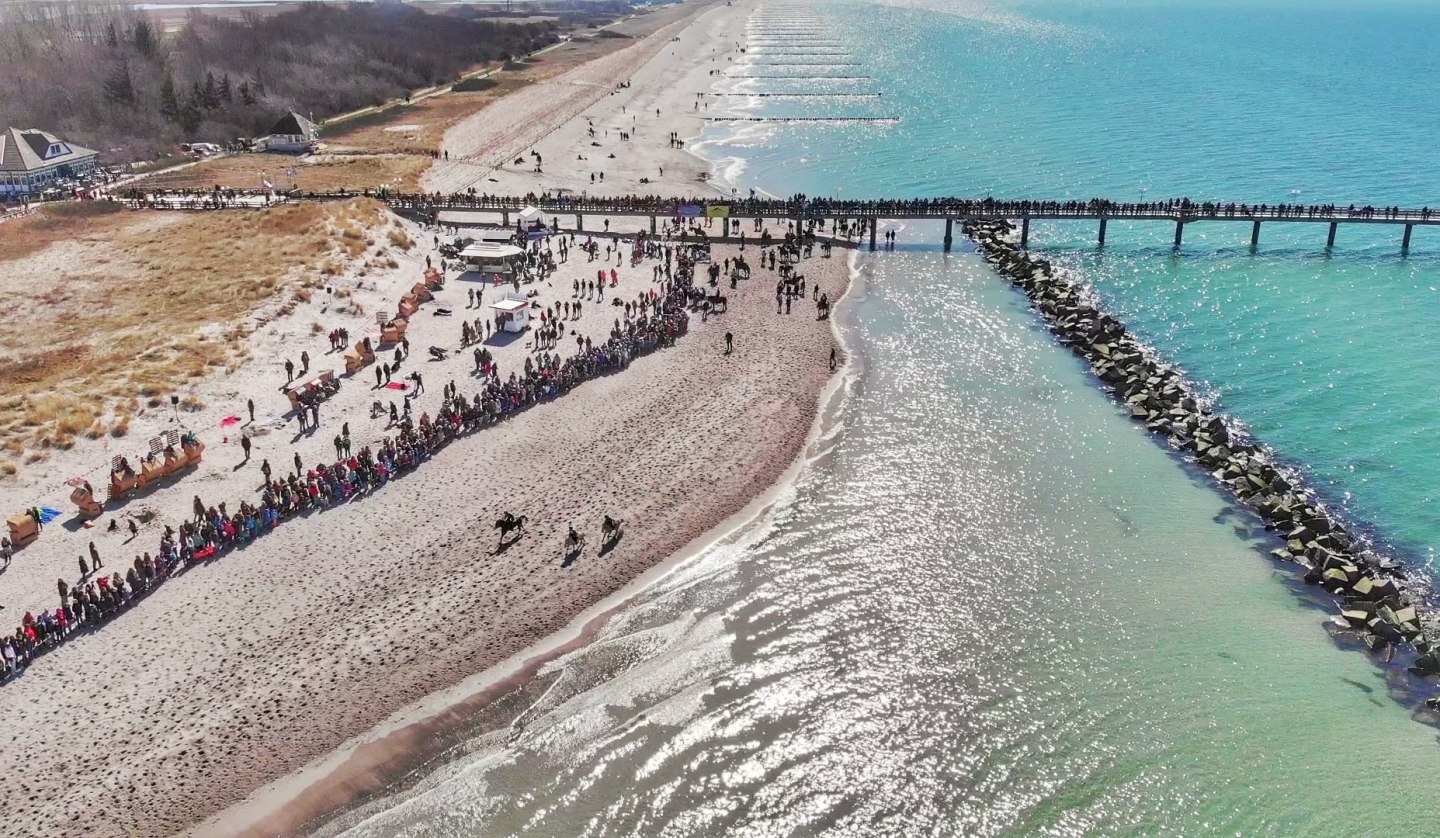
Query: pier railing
x: 1176, y: 211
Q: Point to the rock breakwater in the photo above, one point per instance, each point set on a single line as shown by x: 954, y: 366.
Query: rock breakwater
x: 1379, y: 605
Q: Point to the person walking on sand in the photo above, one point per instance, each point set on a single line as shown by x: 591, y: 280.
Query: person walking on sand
x: 84, y: 570
x: 245, y: 446
x: 304, y: 361
x: 299, y: 470
x: 833, y: 360
x: 95, y: 562
x: 265, y: 470
x: 250, y: 406
x: 289, y: 370
x: 729, y: 343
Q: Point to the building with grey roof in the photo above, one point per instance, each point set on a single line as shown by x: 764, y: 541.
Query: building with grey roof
x: 293, y: 133
x: 32, y: 161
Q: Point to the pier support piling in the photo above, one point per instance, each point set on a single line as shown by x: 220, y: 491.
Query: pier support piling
x: 579, y: 222
x: 1100, y: 239
x: 874, y: 223
x: 1405, y: 242
x: 949, y: 233
x: 1330, y: 241
x: 652, y: 225
x: 505, y: 218
x: 1024, y: 233
x: 1179, y: 233
x: 1255, y: 235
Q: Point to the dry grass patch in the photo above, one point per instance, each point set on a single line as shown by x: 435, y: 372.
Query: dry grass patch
x: 57, y: 223
x: 174, y: 309
x: 243, y: 171
x: 418, y: 128
x: 401, y: 239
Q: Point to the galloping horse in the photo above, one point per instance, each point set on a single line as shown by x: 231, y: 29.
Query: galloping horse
x: 509, y: 523
x: 610, y: 530
x: 574, y: 542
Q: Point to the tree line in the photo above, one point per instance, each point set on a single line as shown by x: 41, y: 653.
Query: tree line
x: 105, y: 77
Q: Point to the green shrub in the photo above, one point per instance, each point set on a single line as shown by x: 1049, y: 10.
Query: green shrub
x: 471, y: 85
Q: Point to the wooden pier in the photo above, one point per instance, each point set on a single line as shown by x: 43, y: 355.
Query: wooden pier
x: 869, y: 213
x: 1179, y: 213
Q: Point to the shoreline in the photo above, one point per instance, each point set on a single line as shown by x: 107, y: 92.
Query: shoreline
x: 296, y: 646
x: 365, y: 769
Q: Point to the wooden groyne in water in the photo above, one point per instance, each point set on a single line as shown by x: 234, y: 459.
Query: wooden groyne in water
x: 1379, y: 607
x: 801, y: 118
x: 804, y: 94
x: 797, y: 77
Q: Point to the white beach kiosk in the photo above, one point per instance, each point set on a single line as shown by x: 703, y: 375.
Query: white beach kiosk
x: 490, y: 258
x: 533, y: 219
x: 512, y: 314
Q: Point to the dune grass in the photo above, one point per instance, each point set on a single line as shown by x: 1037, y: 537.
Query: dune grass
x: 418, y: 128
x: 176, y: 305
x: 55, y: 223
x: 247, y: 171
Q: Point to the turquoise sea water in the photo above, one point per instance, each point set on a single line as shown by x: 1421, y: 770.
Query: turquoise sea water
x: 1330, y: 356
x: 992, y: 604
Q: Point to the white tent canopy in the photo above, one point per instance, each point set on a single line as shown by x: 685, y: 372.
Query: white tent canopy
x: 512, y: 314
x: 489, y: 250
x: 486, y: 257
x: 532, y: 217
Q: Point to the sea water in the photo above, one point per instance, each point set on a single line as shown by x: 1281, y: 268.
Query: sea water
x: 991, y: 604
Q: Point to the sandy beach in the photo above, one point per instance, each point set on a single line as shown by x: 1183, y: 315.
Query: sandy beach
x: 247, y: 668
x: 554, y: 118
